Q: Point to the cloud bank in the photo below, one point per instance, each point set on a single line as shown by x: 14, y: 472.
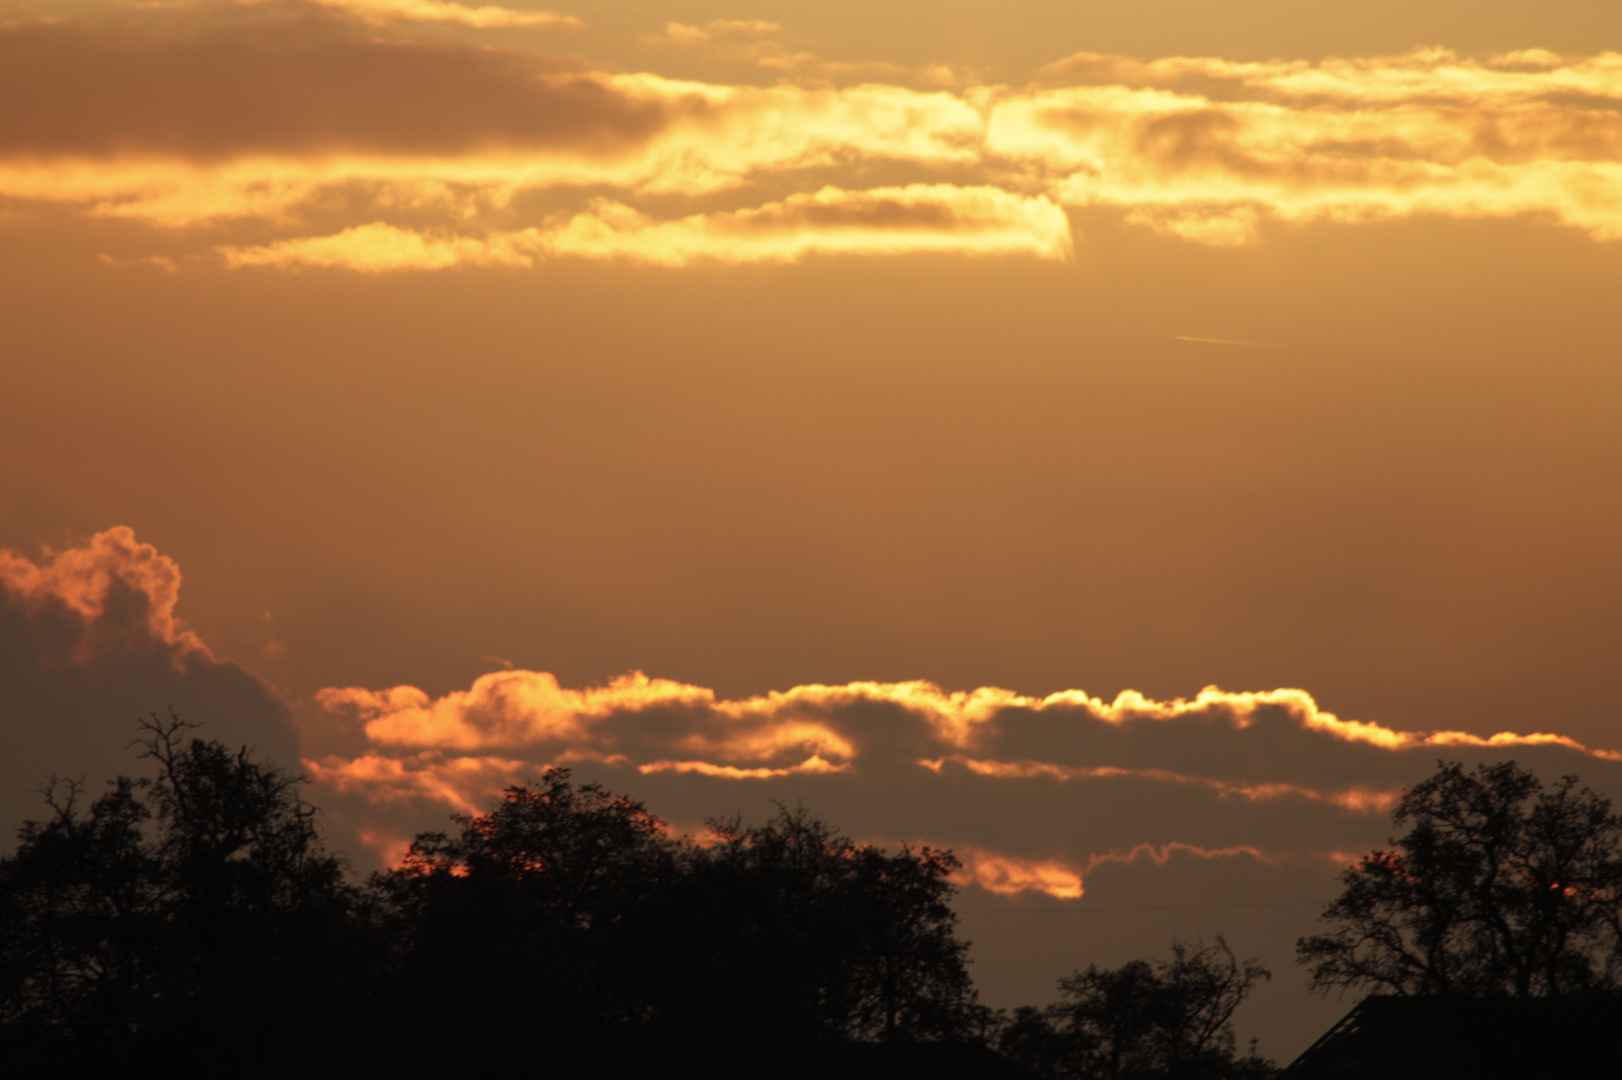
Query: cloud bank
x: 1036, y: 792
x: 90, y: 642
x: 329, y: 142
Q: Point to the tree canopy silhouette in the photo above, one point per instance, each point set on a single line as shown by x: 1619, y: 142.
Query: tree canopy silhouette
x: 180, y: 913
x: 573, y: 914
x: 1167, y: 1020
x: 193, y: 920
x: 1500, y: 887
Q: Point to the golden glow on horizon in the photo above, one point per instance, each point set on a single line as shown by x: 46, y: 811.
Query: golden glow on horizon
x: 1009, y: 875
x: 465, y: 784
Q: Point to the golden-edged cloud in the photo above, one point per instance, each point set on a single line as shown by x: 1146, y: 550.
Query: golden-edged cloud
x: 921, y: 218
x: 639, y: 716
x: 1035, y: 793
x: 113, y: 590
x: 480, y: 16
x: 1213, y: 171
x: 90, y: 641
x: 324, y: 143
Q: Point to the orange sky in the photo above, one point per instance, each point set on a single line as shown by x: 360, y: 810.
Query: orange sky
x: 1126, y: 443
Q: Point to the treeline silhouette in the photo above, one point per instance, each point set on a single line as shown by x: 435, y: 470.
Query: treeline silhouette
x: 193, y: 922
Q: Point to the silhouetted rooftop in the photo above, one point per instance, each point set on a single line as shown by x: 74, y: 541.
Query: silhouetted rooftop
x: 1398, y: 1038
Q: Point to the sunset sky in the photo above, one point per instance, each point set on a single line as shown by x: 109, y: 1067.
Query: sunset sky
x: 1125, y: 443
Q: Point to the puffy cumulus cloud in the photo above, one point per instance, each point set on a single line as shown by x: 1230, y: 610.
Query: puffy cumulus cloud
x: 90, y: 642
x: 329, y: 142
x: 933, y: 218
x: 1035, y: 793
x: 112, y: 594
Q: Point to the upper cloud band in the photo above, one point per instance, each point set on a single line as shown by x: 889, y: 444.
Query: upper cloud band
x: 295, y: 127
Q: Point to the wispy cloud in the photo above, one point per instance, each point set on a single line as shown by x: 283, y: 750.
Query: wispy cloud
x: 482, y: 16
x: 921, y: 218
x: 1221, y: 341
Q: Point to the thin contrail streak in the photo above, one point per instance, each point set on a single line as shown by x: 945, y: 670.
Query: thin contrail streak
x: 1223, y: 341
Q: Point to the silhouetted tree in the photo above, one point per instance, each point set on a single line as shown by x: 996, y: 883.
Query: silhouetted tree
x: 1166, y: 1020
x: 1499, y: 887
x: 811, y: 931
x: 533, y: 919
x: 194, y: 921
x: 177, y: 914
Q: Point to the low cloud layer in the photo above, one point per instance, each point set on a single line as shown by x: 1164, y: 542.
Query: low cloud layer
x: 1037, y: 793
x: 1088, y: 827
x: 336, y: 143
x: 89, y: 643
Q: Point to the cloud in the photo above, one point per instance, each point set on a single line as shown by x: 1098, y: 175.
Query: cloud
x: 114, y: 594
x: 313, y: 95
x: 921, y: 218
x: 1035, y: 793
x: 1429, y: 75
x: 466, y: 785
x: 521, y: 709
x: 752, y: 43
x: 89, y: 642
x: 1354, y: 798
x: 482, y: 16
x: 1006, y: 875
x: 423, y: 153
x: 380, y: 248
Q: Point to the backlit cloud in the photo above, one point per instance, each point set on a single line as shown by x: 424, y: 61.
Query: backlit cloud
x: 482, y: 16
x: 1268, y: 777
x: 89, y: 643
x: 109, y: 595
x: 918, y: 219
x: 343, y: 147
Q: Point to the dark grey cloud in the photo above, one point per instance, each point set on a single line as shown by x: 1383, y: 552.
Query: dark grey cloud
x: 295, y: 83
